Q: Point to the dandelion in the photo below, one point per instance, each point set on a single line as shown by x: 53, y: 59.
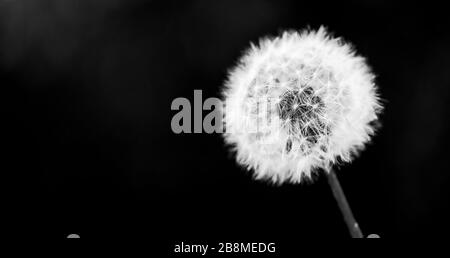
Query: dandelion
x: 297, y: 104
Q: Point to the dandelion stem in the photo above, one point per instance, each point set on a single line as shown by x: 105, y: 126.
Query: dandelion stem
x: 339, y: 195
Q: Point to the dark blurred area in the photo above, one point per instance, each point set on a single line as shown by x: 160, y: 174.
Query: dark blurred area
x: 88, y: 148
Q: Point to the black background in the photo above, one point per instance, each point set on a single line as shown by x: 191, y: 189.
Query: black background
x: 88, y: 148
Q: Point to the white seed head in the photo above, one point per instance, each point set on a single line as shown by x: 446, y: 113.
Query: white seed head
x: 297, y: 103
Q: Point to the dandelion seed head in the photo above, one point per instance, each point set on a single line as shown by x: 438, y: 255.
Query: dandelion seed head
x: 299, y: 103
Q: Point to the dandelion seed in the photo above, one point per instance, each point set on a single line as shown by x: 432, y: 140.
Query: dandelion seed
x: 322, y: 105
